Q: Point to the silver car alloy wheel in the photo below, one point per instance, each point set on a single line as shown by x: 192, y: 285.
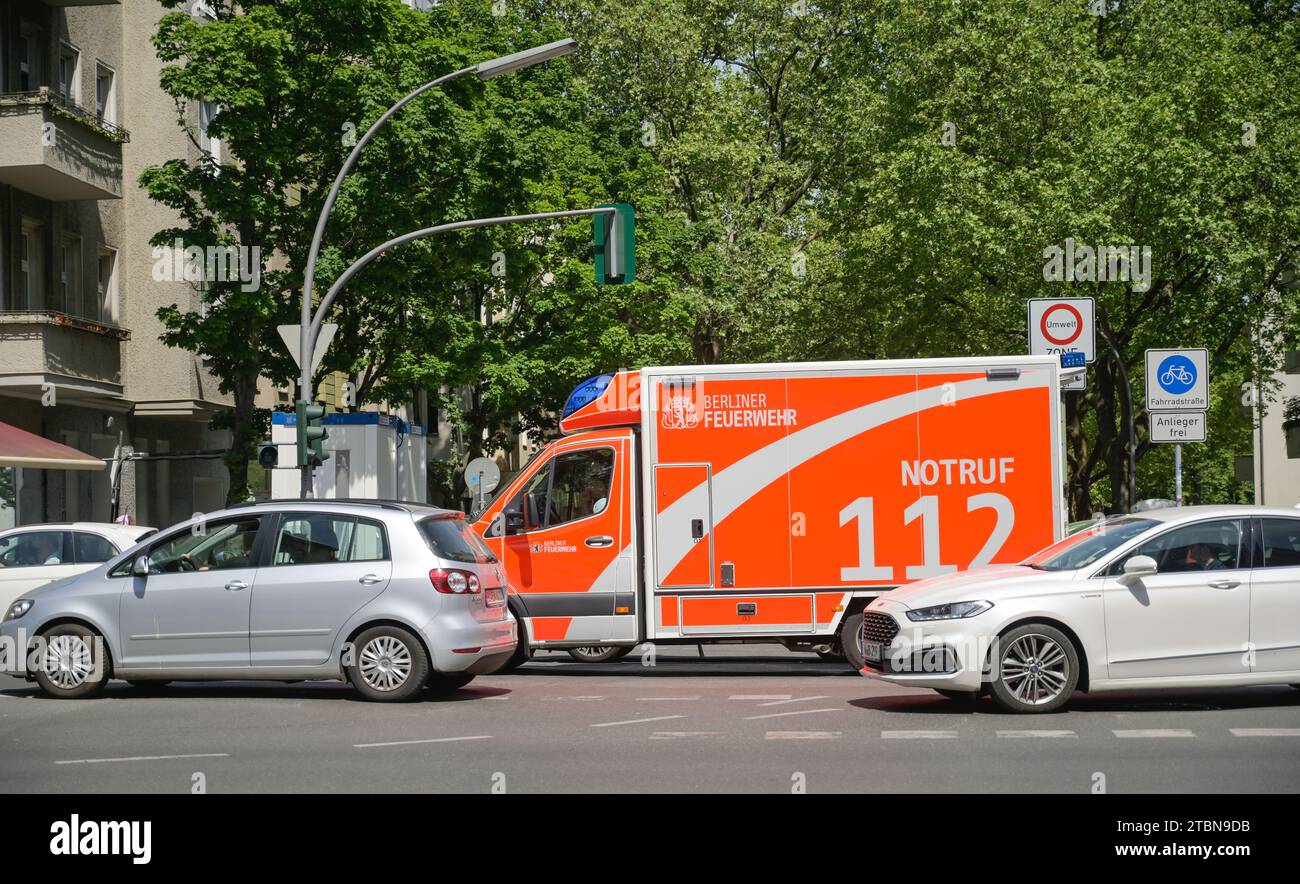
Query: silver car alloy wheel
x: 68, y: 660
x: 1035, y: 669
x: 385, y: 663
x: 594, y: 651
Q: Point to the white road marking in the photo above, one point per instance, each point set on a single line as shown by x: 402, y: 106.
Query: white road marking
x: 796, y: 712
x: 760, y: 696
x: 1045, y: 735
x: 663, y: 699
x: 637, y: 720
x: 803, y: 735
x: 683, y: 735
x: 1265, y: 731
x: 795, y: 700
x: 418, y: 742
x: 1153, y: 733
x: 144, y: 758
x: 918, y: 735
x: 581, y: 697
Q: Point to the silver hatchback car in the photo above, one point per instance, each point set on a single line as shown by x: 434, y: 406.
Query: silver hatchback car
x: 393, y: 597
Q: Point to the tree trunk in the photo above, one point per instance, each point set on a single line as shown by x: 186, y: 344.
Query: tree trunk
x: 1078, y: 482
x: 244, y: 431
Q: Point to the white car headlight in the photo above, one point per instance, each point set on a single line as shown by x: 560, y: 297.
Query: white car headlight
x: 18, y: 609
x: 954, y: 611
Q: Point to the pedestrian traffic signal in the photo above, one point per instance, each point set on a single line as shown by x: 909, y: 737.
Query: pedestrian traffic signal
x: 614, y: 235
x: 268, y: 454
x: 311, y: 434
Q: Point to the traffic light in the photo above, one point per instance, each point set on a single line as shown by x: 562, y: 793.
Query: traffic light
x: 311, y: 435
x: 268, y: 454
x: 614, y: 235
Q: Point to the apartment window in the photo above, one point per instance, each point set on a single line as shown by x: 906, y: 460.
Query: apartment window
x: 70, y: 276
x: 31, y: 262
x: 29, y: 62
x: 69, y: 73
x: 208, y: 111
x: 105, y: 93
x: 106, y: 290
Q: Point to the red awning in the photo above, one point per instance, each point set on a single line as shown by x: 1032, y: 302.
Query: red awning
x: 19, y: 448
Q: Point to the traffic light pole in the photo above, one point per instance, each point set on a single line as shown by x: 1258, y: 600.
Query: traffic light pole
x: 312, y: 322
x: 309, y: 328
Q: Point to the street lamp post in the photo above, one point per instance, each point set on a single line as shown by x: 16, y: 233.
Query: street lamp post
x: 310, y: 327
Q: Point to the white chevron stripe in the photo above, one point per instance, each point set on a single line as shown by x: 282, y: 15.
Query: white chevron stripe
x: 740, y: 481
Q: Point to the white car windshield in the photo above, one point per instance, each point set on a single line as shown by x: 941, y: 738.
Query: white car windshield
x: 1082, y: 548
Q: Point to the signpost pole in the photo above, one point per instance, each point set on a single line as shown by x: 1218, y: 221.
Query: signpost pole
x: 1178, y: 474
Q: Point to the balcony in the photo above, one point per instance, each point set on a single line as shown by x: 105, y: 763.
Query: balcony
x: 78, y: 359
x: 57, y: 150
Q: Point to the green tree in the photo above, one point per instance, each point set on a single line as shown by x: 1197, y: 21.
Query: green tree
x: 1171, y: 126
x: 294, y: 81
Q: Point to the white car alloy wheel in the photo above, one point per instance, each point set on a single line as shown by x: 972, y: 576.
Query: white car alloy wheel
x: 1037, y: 669
x: 385, y: 663
x: 68, y: 660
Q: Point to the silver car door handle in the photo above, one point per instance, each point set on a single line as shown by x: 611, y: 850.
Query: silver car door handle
x: 236, y: 585
x: 370, y: 579
x: 600, y: 540
x: 1224, y: 584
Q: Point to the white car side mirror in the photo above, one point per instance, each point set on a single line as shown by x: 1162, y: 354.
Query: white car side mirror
x: 1136, y: 568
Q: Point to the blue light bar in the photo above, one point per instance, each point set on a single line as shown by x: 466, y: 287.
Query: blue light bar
x: 585, y: 393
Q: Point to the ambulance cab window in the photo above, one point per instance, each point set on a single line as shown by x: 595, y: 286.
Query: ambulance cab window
x: 581, y: 486
x: 512, y: 519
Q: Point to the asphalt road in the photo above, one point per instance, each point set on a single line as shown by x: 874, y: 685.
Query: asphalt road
x: 750, y: 718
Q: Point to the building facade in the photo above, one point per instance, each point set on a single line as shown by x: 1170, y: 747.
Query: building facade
x: 1277, y: 441
x: 81, y: 116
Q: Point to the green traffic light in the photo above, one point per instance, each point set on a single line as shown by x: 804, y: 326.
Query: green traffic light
x: 614, y: 237
x: 311, y: 435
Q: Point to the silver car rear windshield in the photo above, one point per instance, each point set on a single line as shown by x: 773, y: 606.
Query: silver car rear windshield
x: 454, y: 540
x: 1082, y: 548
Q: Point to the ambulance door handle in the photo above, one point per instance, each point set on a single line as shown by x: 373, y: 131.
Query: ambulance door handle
x: 599, y: 540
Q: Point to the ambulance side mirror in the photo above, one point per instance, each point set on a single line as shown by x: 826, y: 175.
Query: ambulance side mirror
x: 514, y: 521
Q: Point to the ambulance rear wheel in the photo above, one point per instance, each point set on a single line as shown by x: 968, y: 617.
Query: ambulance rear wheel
x: 851, y: 641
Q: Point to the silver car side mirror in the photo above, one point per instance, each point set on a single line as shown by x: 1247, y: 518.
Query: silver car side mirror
x: 1136, y: 568
x: 140, y: 567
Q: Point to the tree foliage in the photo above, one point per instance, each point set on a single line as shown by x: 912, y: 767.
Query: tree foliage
x: 812, y: 181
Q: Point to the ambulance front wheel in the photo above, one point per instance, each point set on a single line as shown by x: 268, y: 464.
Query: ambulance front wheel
x: 598, y: 654
x: 851, y: 641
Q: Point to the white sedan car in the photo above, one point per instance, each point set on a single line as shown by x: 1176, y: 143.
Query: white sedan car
x: 33, y: 555
x: 1205, y: 596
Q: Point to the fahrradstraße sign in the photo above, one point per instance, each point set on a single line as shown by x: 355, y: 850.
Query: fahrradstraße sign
x: 1178, y: 380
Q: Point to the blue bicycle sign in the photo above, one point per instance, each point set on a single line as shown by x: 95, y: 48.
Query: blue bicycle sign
x: 1176, y: 374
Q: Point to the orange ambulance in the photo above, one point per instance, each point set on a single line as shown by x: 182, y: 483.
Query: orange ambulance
x: 772, y: 502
